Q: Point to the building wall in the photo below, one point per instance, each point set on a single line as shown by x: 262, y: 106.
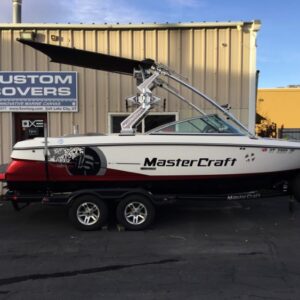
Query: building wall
x: 280, y: 105
x: 217, y: 58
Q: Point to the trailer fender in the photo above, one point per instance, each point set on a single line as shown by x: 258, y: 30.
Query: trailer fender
x: 138, y: 192
x: 113, y: 195
x: 80, y: 193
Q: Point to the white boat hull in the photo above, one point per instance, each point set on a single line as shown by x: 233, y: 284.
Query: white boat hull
x: 178, y: 162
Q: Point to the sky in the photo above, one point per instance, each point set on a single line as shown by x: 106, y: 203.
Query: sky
x: 278, y: 52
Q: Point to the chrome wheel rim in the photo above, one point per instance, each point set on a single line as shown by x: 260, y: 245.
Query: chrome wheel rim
x: 135, y: 213
x: 88, y: 213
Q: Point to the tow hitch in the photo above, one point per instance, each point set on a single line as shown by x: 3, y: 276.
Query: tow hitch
x: 17, y: 202
x: 18, y: 207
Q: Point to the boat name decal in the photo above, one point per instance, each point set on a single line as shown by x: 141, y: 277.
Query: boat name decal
x: 244, y: 196
x: 201, y: 162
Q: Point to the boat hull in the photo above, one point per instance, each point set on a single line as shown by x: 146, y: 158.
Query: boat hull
x: 163, y: 167
x: 208, y: 185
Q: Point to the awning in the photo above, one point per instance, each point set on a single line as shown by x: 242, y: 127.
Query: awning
x: 88, y: 59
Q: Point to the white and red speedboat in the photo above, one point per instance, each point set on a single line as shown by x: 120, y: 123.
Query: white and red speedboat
x: 178, y: 157
x: 205, y: 155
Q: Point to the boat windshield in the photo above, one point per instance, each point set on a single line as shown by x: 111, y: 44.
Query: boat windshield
x: 209, y: 124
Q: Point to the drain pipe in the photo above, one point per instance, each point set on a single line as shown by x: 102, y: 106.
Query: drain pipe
x: 17, y: 11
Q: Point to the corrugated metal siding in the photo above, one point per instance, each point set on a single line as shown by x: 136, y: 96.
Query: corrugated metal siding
x: 215, y: 59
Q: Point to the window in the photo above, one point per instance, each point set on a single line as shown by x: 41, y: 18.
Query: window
x: 206, y: 124
x: 150, y: 122
x: 153, y: 121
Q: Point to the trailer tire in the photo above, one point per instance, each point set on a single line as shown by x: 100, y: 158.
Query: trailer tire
x: 135, y: 212
x: 296, y: 187
x: 88, y: 213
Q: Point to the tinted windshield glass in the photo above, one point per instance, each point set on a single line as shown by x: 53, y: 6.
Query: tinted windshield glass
x: 201, y: 125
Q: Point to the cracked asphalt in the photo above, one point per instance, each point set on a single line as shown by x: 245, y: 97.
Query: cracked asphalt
x: 209, y: 250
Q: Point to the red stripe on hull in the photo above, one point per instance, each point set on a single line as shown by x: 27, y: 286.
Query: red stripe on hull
x: 21, y: 170
x: 34, y: 171
x: 31, y: 176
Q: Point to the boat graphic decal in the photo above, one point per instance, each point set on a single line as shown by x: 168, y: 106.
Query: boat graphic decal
x: 66, y: 155
x: 250, y: 157
x: 87, y: 161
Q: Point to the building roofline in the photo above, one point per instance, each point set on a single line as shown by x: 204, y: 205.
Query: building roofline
x: 254, y: 25
x: 280, y: 89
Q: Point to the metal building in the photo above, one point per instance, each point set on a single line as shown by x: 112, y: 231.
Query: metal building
x: 280, y: 108
x: 218, y: 58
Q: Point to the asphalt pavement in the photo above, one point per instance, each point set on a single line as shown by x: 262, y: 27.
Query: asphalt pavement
x: 212, y: 250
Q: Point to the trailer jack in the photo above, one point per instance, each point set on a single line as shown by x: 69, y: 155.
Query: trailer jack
x: 18, y: 207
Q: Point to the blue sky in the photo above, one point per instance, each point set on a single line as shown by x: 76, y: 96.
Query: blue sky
x: 278, y: 55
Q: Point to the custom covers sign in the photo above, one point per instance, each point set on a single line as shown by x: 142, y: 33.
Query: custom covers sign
x: 38, y: 91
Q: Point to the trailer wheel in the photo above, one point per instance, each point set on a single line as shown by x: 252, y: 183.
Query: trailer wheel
x: 296, y: 187
x: 88, y: 212
x: 135, y: 212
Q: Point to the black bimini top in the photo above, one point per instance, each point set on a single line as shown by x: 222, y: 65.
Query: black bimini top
x: 88, y: 59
